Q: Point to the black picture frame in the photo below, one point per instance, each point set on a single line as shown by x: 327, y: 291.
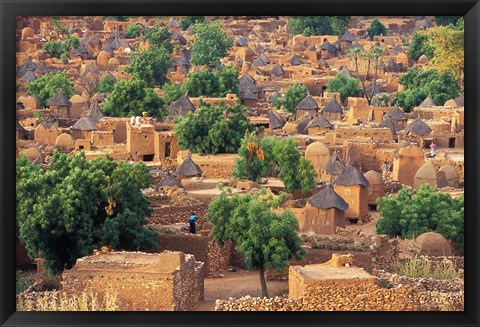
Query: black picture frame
x: 9, y: 9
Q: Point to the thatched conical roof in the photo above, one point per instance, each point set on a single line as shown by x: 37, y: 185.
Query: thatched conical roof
x: 351, y: 176
x: 308, y: 103
x: 294, y: 60
x: 277, y: 70
x: 320, y: 122
x: 29, y: 76
x: 333, y: 106
x: 417, y: 127
x: 427, y: 103
x: 396, y: 114
x: 84, y: 124
x: 334, y: 165
x: 95, y: 113
x: 276, y: 120
x: 59, y: 99
x: 327, y: 198
x: 189, y: 168
x: 169, y: 181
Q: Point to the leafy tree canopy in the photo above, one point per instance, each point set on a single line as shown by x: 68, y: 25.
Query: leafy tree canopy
x: 159, y: 36
x: 151, y: 65
x: 211, y: 44
x: 447, y: 20
x: 106, y: 84
x: 382, y: 99
x: 213, y: 83
x: 413, y: 212
x: 419, y: 46
x: 191, y: 20
x: 173, y: 92
x: 75, y: 206
x: 347, y: 87
x: 57, y: 48
x: 213, y: 129
x: 259, y: 157
x: 292, y: 97
x: 376, y: 28
x: 48, y: 85
x: 419, y: 83
x: 266, y: 239
x: 131, y: 98
x: 133, y: 31
x: 318, y: 25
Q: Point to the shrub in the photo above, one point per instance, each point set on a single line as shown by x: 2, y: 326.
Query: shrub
x: 421, y: 268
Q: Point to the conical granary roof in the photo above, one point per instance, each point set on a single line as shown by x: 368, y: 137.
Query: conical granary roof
x: 351, y: 176
x: 327, y: 198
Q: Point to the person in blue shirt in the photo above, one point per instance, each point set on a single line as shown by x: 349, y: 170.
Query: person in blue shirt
x: 192, y: 220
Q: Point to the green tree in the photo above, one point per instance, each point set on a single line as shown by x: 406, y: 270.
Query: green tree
x: 76, y: 205
x: 257, y: 157
x: 106, y: 84
x: 211, y: 43
x: 372, y: 60
x: 151, y: 65
x: 347, y: 87
x: 133, y: 31
x: 447, y: 20
x: 57, y: 48
x: 419, y: 46
x: 382, y: 99
x: 318, y: 25
x: 419, y: 83
x: 202, y: 83
x: 213, y: 129
x: 292, y: 97
x: 48, y: 85
x: 118, y: 18
x: 228, y: 80
x: 191, y: 20
x: 173, y: 92
x: 133, y: 97
x: 413, y: 212
x: 376, y: 28
x: 266, y: 239
x: 159, y: 36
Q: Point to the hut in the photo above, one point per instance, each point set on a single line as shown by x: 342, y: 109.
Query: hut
x: 455, y: 103
x: 333, y: 168
x: 427, y: 174
x: 318, y: 154
x: 417, y: 128
x: 324, y: 211
x: 294, y: 60
x: 83, y: 128
x: 376, y: 187
x: 61, y: 104
x: 407, y: 160
x: 427, y: 103
x: 387, y: 123
x: 319, y: 125
x: 168, y: 181
x: 46, y: 133
x: 277, y: 72
x: 352, y: 187
x: 95, y: 113
x: 65, y: 142
x: 332, y: 110
x: 276, y: 120
x: 301, y: 127
x: 346, y: 40
x: 328, y: 50
x: 345, y: 72
x: 451, y: 175
x: 398, y: 117
x: 307, y: 107
x: 249, y: 99
x: 181, y: 107
x: 188, y: 169
x: 433, y: 244
x: 29, y: 76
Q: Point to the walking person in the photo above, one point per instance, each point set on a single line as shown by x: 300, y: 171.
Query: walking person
x: 433, y: 149
x: 193, y: 220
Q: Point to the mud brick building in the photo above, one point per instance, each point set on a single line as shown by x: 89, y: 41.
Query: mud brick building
x: 167, y: 281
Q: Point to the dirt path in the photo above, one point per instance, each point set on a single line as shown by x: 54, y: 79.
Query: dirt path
x: 237, y: 284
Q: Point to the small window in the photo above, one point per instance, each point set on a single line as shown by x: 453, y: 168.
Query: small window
x: 81, y: 147
x: 148, y: 157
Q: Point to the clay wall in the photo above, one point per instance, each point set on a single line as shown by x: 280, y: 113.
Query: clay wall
x: 320, y: 221
x: 376, y: 133
x: 142, y: 281
x: 101, y: 138
x: 369, y: 156
x: 46, y: 135
x: 140, y: 141
x: 376, y: 113
x: 357, y: 198
x: 204, y: 249
x: 117, y: 126
x: 165, y: 145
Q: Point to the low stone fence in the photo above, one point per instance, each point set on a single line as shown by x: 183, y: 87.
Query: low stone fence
x: 173, y: 215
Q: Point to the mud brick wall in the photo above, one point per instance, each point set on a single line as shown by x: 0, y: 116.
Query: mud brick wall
x: 368, y: 156
x: 141, y: 281
x: 204, y: 249
x: 174, y: 215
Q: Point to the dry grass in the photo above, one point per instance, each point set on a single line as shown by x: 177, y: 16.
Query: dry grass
x: 61, y: 301
x: 420, y: 268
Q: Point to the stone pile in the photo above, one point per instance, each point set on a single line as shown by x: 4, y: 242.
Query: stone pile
x: 218, y: 258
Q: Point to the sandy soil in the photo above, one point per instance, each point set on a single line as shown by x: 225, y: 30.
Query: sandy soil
x: 238, y: 284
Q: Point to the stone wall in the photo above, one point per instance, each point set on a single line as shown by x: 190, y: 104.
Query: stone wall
x: 142, y: 281
x: 174, y: 214
x: 204, y: 249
